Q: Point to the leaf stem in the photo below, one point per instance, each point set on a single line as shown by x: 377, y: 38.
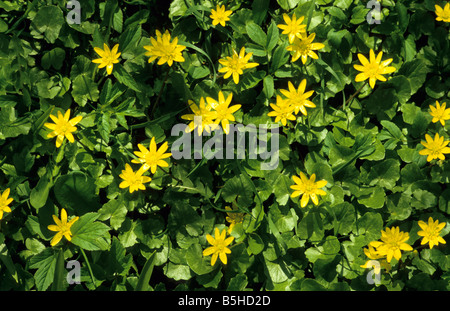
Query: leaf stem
x: 89, y: 267
x: 353, y: 95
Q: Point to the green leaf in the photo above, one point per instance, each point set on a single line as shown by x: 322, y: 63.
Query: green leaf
x: 90, y: 234
x: 45, y: 263
x: 59, y: 275
x: 49, y: 21
x: 76, y: 191
x: 53, y: 58
x: 256, y: 34
x: 84, y: 89
x: 146, y: 273
x: 125, y: 78
x: 195, y: 260
x: 39, y: 194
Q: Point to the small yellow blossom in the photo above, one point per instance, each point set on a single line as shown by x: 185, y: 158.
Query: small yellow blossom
x: 308, y: 188
x: 219, y: 246
x: 224, y: 113
x: 282, y: 111
x: 236, y: 64
x: 153, y: 157
x: 134, y: 180
x: 163, y: 48
x: 297, y: 98
x: 4, y: 202
x: 107, y: 57
x: 435, y: 149
x: 373, y: 69
x: 373, y: 254
x: 202, y: 118
x: 62, y: 228
x: 233, y: 217
x: 293, y: 27
x: 430, y: 232
x: 443, y: 14
x: 304, y: 47
x: 393, y: 241
x: 63, y: 127
x: 439, y: 113
x: 220, y: 15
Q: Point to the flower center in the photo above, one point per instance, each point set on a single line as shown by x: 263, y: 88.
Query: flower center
x: 372, y: 70
x: 64, y: 127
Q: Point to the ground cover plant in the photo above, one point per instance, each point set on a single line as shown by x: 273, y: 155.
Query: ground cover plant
x: 333, y: 121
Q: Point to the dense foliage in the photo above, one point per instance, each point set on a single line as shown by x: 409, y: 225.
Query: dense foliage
x: 88, y: 174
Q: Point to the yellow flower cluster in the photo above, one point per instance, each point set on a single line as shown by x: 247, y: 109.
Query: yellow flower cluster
x: 150, y: 159
x: 296, y: 100
x: 436, y: 148
x: 210, y: 113
x: 393, y: 242
x: 162, y: 47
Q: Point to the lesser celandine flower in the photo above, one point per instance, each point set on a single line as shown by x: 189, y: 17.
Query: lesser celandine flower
x: 236, y: 64
x: 282, y: 111
x: 163, y: 48
x: 373, y: 254
x: 220, y: 15
x: 431, y: 232
x: 304, y: 47
x: 61, y: 227
x: 224, y: 113
x: 202, y: 118
x: 434, y: 148
x: 153, y: 157
x: 439, y: 113
x: 443, y: 14
x: 297, y: 98
x: 134, y: 180
x: 308, y: 188
x: 393, y: 241
x: 373, y: 69
x: 233, y: 217
x: 107, y: 57
x: 63, y: 127
x: 293, y: 27
x: 219, y: 246
x: 4, y: 202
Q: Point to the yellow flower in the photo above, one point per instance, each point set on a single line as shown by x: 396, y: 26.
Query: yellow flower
x: 4, y: 202
x: 392, y: 243
x: 439, y: 113
x: 373, y: 69
x: 220, y: 15
x: 233, y: 218
x: 303, y: 47
x: 162, y: 48
x: 224, y: 113
x: 443, y: 14
x: 235, y: 64
x: 132, y: 179
x: 309, y: 188
x: 202, y: 118
x: 293, y: 27
x: 430, y: 232
x: 434, y: 149
x: 153, y: 157
x: 298, y: 98
x: 282, y: 111
x: 219, y: 246
x: 373, y: 254
x: 63, y: 127
x: 62, y: 227
x: 107, y: 57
